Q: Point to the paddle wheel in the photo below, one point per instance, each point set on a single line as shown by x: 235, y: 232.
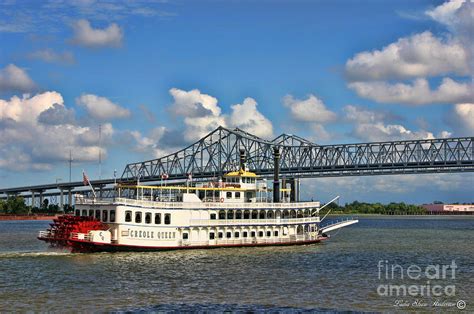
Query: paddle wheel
x: 66, y: 226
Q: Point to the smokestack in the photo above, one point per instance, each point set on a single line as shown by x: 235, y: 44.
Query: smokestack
x: 242, y: 159
x: 276, y: 174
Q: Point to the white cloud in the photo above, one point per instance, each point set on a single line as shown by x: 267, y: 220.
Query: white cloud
x: 49, y: 55
x: 26, y: 143
x: 418, y: 93
x: 101, y: 108
x: 415, y: 56
x: 13, y: 78
x: 87, y: 36
x: 311, y: 109
x: 246, y: 117
x: 462, y: 118
x: 446, y: 12
x: 202, y: 115
x: 369, y: 125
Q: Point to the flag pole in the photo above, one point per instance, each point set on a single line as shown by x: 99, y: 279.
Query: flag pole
x: 84, y: 176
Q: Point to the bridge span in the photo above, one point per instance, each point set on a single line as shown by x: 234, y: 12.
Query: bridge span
x: 219, y: 152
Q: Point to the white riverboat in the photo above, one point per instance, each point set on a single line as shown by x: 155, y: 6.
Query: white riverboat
x: 235, y: 211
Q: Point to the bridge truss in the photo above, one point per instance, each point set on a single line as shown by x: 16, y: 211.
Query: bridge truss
x: 218, y: 153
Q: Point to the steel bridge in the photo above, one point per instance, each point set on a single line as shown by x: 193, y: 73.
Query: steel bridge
x: 218, y: 152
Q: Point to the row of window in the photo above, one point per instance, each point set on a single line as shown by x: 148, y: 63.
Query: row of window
x: 237, y: 180
x: 257, y: 215
x: 98, y: 214
x: 148, y: 218
x: 245, y: 234
x: 228, y: 235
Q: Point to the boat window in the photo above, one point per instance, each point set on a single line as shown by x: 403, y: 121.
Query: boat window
x: 246, y: 214
x: 245, y: 234
x: 174, y: 235
x: 228, y: 195
x: 262, y: 214
x: 128, y: 216
x: 275, y: 233
x: 185, y: 236
x: 148, y: 218
x: 221, y: 214
x: 228, y: 235
x: 213, y: 216
x: 252, y: 234
x: 91, y: 212
x: 157, y: 219
x: 104, y: 215
x: 84, y: 212
x: 211, y: 236
x: 269, y: 233
x: 167, y: 219
x: 230, y: 214
x: 270, y: 214
x: 254, y: 214
x: 220, y: 235
x: 138, y: 217
x: 112, y: 215
x: 260, y: 233
x: 237, y: 194
x: 236, y: 235
x: 78, y: 212
x: 97, y: 214
x: 238, y: 214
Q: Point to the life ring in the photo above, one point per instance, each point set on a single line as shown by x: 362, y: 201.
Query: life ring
x: 222, y: 200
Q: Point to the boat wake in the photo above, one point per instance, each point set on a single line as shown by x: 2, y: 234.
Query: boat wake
x: 33, y: 254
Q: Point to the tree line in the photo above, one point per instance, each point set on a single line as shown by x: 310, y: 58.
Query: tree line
x: 375, y: 208
x: 16, y: 206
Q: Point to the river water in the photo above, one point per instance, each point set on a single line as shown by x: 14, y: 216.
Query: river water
x: 347, y: 272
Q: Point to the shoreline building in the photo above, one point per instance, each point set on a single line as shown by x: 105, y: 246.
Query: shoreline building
x: 449, y: 208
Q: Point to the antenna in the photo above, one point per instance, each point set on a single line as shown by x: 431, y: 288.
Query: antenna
x: 100, y: 151
x: 70, y: 164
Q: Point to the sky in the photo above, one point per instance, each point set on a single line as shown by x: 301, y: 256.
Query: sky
x: 158, y: 75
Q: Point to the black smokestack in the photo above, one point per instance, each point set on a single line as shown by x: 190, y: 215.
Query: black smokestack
x: 276, y: 175
x: 242, y: 159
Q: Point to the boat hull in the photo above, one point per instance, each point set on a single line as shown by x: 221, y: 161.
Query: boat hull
x: 81, y: 246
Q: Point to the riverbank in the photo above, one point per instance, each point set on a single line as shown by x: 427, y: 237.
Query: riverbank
x: 26, y: 217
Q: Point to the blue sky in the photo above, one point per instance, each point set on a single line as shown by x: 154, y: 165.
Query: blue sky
x: 158, y: 74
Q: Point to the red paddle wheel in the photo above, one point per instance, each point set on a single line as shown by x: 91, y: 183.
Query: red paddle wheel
x: 65, y: 225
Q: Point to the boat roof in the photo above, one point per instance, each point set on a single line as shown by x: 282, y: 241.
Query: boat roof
x: 241, y: 173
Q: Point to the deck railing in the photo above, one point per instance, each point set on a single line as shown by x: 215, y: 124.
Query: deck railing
x: 182, y: 205
x: 255, y: 240
x: 239, y: 222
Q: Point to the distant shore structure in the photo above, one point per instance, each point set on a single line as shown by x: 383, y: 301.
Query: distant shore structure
x: 449, y: 208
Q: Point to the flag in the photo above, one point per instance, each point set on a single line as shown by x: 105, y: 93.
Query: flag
x: 164, y: 176
x: 85, y: 179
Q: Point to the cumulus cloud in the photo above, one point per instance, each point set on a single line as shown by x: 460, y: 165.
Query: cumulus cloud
x: 311, y: 109
x: 461, y: 118
x: 13, y: 79
x: 245, y: 116
x: 370, y: 125
x: 31, y: 138
x: 50, y: 56
x: 56, y: 115
x: 101, y: 108
x: 418, y: 93
x: 414, y: 56
x: 202, y: 114
x: 446, y: 12
x: 87, y: 36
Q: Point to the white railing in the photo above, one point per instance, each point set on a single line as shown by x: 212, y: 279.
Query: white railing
x: 45, y: 234
x: 79, y: 236
x: 181, y: 205
x: 227, y: 222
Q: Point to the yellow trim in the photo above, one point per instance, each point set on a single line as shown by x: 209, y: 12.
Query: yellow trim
x: 241, y: 173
